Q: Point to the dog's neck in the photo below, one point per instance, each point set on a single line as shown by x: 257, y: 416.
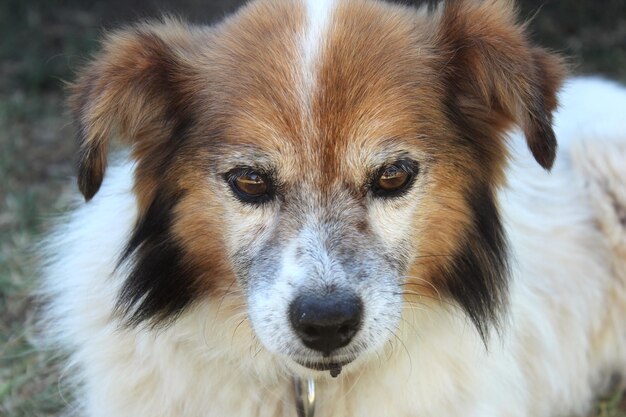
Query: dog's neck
x: 304, y: 393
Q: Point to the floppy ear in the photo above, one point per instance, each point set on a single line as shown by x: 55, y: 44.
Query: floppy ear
x: 493, y: 73
x: 134, y: 89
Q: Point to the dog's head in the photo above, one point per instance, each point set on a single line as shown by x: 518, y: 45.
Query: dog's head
x: 334, y: 160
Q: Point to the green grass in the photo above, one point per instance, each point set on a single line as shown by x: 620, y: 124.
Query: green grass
x: 41, y: 44
x: 614, y: 406
x: 28, y: 376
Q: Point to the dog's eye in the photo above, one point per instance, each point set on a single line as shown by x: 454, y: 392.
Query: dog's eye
x: 250, y: 186
x: 393, y: 180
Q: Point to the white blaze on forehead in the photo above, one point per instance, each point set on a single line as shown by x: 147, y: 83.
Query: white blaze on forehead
x: 318, y: 18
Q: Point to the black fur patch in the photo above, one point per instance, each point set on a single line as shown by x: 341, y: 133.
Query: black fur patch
x: 479, y: 276
x: 161, y: 283
x: 91, y: 165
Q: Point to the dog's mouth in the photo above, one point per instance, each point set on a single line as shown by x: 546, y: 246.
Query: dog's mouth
x: 333, y: 366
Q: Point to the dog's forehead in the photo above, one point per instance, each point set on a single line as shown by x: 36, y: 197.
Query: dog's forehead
x: 325, y: 83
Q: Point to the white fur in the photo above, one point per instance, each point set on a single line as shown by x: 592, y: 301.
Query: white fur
x: 318, y: 16
x: 549, y: 361
x: 270, y: 305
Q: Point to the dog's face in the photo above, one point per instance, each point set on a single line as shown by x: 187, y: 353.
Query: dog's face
x: 334, y: 161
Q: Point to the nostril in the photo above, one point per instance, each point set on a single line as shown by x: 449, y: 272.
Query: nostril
x: 310, y: 331
x: 344, y: 330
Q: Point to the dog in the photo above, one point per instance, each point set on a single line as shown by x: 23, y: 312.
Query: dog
x: 359, y: 201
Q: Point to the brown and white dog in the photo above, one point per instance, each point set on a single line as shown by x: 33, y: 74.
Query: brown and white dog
x: 320, y: 188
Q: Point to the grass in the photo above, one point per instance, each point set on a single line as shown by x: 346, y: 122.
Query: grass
x: 28, y: 376
x: 614, y: 406
x: 41, y: 43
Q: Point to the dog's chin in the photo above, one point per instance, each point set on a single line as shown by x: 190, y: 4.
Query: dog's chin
x: 315, y: 365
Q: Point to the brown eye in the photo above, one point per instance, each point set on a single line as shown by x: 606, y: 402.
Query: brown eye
x: 393, y: 178
x: 250, y: 186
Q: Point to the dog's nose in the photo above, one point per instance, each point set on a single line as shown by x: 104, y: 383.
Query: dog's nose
x: 326, y: 323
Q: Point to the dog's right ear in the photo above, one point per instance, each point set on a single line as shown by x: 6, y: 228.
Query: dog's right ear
x: 134, y: 89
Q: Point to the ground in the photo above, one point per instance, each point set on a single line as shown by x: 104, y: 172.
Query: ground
x: 42, y: 42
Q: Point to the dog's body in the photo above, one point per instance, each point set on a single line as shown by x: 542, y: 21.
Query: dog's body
x: 129, y: 273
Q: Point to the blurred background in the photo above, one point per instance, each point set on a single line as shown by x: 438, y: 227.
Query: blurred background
x: 43, y: 43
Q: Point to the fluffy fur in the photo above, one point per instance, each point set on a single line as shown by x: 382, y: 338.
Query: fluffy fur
x: 490, y: 287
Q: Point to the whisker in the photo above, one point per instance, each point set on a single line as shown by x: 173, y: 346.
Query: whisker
x: 434, y: 255
x: 430, y: 297
x: 355, y: 382
x: 422, y: 280
x: 232, y: 339
x: 413, y: 328
x: 227, y: 293
x: 406, y: 350
x: 260, y: 348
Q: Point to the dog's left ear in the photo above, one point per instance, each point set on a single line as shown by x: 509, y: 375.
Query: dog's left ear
x: 494, y: 76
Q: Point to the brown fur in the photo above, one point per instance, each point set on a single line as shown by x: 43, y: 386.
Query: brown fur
x: 192, y: 102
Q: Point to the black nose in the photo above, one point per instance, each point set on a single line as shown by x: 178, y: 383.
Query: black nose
x: 328, y: 322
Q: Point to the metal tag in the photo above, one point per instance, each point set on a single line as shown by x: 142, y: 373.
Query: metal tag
x: 304, y: 391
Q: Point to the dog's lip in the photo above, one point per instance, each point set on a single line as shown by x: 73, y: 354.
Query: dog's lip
x: 323, y: 366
